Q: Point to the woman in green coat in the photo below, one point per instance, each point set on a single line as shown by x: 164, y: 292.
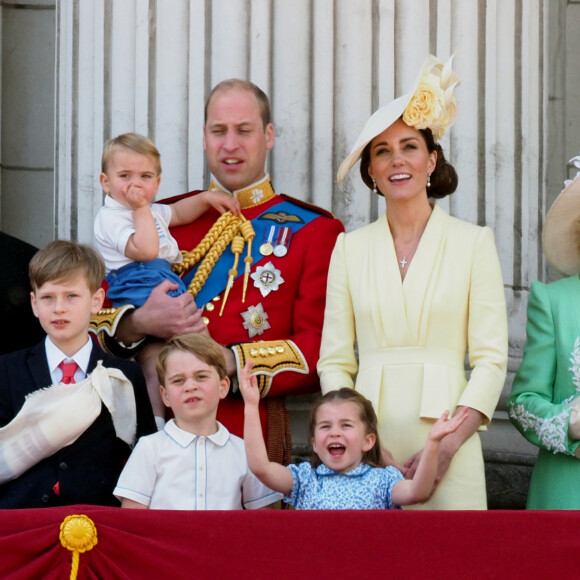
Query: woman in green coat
x: 545, y: 404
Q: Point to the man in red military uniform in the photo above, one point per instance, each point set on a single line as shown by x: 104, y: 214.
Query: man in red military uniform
x: 273, y: 310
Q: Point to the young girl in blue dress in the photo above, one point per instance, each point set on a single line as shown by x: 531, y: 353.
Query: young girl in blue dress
x: 346, y: 469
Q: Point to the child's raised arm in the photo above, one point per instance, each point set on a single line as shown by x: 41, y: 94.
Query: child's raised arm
x: 189, y: 209
x: 274, y: 475
x: 418, y: 489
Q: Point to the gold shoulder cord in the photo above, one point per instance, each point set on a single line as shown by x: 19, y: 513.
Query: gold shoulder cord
x: 212, y: 246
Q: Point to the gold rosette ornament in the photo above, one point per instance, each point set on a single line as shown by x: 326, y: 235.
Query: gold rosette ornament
x: 433, y: 103
x: 78, y: 534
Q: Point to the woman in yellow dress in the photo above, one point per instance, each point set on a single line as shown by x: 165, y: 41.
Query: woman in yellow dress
x: 414, y: 292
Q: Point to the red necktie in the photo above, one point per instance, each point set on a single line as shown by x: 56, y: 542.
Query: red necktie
x: 68, y: 378
x: 68, y: 372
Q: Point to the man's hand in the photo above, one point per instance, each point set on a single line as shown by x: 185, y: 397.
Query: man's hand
x: 162, y: 316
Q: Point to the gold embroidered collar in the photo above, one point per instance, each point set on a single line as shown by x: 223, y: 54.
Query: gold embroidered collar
x: 255, y: 194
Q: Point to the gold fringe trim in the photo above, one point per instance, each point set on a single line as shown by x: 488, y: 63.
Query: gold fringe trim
x: 212, y: 247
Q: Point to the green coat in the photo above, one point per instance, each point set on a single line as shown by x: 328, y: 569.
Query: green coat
x: 544, y: 390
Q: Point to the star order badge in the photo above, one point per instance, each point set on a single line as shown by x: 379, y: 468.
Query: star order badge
x: 267, y: 278
x: 255, y: 320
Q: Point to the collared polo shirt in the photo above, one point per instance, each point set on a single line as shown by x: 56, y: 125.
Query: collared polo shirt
x: 177, y: 470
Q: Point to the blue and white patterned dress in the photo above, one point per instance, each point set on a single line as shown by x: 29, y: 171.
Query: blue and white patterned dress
x: 363, y: 488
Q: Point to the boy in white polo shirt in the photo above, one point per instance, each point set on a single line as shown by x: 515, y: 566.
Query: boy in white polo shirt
x: 194, y: 463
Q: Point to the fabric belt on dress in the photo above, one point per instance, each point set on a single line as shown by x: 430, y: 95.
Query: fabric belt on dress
x: 408, y: 355
x: 442, y: 371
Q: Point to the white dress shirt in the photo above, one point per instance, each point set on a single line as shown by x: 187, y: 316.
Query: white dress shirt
x: 55, y: 356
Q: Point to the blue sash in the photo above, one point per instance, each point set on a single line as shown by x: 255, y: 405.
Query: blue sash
x: 284, y: 214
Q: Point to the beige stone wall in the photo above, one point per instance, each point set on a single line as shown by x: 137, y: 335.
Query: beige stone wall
x: 27, y: 137
x: 572, y: 82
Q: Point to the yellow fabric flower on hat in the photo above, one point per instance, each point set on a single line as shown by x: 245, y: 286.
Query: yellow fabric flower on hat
x: 433, y: 103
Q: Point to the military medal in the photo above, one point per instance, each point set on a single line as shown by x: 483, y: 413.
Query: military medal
x: 255, y: 320
x: 267, y: 247
x: 283, y: 242
x: 267, y: 278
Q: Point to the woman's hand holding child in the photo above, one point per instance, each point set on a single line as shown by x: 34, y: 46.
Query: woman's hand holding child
x: 444, y: 425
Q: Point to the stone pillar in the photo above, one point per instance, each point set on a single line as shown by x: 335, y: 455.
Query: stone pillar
x: 27, y: 129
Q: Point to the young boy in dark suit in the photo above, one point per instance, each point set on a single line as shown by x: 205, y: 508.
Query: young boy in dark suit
x: 84, y: 408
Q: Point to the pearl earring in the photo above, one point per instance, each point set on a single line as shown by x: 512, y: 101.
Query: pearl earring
x: 428, y: 180
x: 374, y: 186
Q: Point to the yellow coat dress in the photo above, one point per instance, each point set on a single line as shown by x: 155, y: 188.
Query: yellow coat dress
x: 412, y: 338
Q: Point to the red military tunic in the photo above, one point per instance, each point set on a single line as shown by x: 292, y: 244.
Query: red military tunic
x: 294, y: 309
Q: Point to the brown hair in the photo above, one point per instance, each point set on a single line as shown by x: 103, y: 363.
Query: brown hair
x: 201, y: 346
x: 132, y: 142
x: 443, y: 179
x: 373, y: 456
x: 231, y: 84
x: 61, y: 260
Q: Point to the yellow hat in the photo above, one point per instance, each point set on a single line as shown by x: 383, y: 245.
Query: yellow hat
x: 431, y: 104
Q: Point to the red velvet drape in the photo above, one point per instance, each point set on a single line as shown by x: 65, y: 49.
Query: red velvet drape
x: 139, y: 544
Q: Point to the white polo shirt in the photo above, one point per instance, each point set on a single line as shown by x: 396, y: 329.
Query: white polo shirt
x: 177, y: 470
x: 114, y: 226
